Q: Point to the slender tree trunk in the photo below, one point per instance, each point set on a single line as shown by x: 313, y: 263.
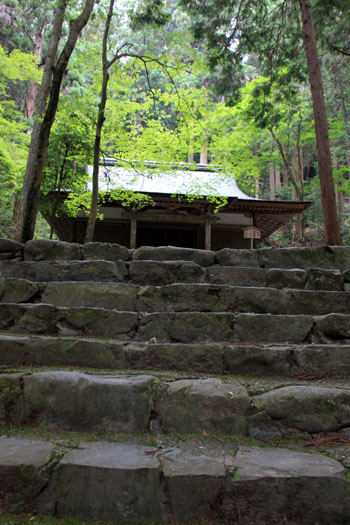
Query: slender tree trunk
x: 106, y: 64
x: 329, y: 206
x: 272, y: 182
x: 292, y: 176
x: 257, y: 180
x: 45, y: 114
x: 97, y: 146
x: 204, y: 154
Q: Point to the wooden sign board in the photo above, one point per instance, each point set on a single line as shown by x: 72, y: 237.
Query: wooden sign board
x: 252, y: 233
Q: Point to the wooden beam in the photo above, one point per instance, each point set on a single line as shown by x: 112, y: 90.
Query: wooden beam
x: 168, y: 217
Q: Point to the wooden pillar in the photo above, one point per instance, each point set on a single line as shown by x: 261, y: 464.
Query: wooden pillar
x: 208, y: 232
x: 272, y: 183
x: 133, y: 228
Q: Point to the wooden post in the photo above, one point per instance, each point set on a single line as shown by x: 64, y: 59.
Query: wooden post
x: 208, y: 232
x: 133, y: 228
x: 272, y: 183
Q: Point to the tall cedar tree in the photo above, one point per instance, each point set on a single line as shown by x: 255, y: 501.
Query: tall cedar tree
x: 233, y: 29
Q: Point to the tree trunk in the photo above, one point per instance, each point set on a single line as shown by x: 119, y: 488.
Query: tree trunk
x: 330, y: 217
x: 45, y: 114
x: 29, y: 106
x: 203, y: 158
x: 94, y: 196
x: 106, y: 64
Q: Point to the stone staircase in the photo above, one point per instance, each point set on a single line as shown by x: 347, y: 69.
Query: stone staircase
x: 201, y: 375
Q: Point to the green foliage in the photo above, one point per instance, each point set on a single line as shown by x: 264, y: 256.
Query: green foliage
x: 129, y: 199
x: 17, y: 67
x: 251, y: 109
x: 149, y: 13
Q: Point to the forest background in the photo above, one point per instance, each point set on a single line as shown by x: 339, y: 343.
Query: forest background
x: 184, y: 81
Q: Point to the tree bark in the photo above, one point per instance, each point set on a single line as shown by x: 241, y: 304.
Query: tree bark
x: 330, y: 217
x: 45, y: 114
x: 96, y: 166
x: 100, y: 120
x: 29, y: 106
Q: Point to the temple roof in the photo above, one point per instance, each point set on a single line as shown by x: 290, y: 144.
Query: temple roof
x: 168, y: 181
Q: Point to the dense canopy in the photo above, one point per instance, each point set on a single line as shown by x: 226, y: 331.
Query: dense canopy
x: 226, y: 82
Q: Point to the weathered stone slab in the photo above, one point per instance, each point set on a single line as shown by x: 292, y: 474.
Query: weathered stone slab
x: 192, y: 483
x: 315, y: 302
x: 259, y: 360
x: 263, y: 428
x: 105, y: 251
x: 50, y: 320
x: 272, y: 328
x: 97, y: 322
x: 17, y: 290
x: 76, y: 401
x: 331, y: 360
x: 186, y: 327
x: 107, y: 482
x: 27, y: 317
x: 329, y: 257
x: 255, y: 463
x: 277, y: 278
x: 172, y: 253
x: 221, y: 298
x: 290, y: 487
x: 334, y: 326
x: 10, y: 249
x: 185, y: 297
x: 306, y: 408
x: 165, y: 272
x: 258, y: 300
x: 196, y: 405
x: 203, y: 357
x: 111, y: 296
x: 61, y: 351
x: 21, y: 471
x: 233, y: 257
x: 49, y: 250
x: 44, y: 271
x: 318, y: 279
x: 10, y: 398
x: 237, y: 276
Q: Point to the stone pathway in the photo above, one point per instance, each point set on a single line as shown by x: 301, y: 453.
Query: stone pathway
x: 176, y: 342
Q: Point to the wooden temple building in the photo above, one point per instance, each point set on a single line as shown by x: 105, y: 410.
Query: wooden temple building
x: 173, y: 219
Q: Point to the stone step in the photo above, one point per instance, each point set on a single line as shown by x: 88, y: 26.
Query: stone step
x: 181, y: 327
x: 118, y: 481
x: 160, y: 273
x: 328, y: 360
x: 331, y: 360
x: 78, y: 401
x: 309, y: 257
x: 46, y: 271
x: 266, y: 409
x: 175, y: 297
